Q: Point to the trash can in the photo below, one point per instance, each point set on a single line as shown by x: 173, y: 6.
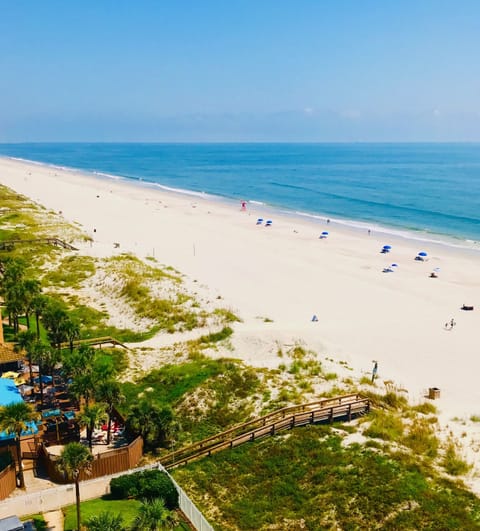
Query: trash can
x: 433, y: 393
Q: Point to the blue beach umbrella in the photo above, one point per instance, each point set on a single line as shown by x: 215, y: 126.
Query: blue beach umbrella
x: 259, y: 221
x: 422, y: 253
x: 325, y: 233
x: 394, y: 265
x: 387, y: 247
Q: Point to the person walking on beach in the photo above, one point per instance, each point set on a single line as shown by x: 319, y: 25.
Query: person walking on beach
x: 452, y: 323
x: 374, y: 371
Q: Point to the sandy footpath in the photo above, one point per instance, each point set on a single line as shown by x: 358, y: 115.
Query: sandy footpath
x: 286, y: 273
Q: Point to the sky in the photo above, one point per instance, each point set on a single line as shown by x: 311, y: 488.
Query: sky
x: 239, y: 70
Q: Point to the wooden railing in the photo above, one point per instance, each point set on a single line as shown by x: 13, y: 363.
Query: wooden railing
x: 106, y: 340
x: 10, y: 244
x: 325, y: 410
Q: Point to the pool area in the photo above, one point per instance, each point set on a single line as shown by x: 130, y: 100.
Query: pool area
x: 9, y: 394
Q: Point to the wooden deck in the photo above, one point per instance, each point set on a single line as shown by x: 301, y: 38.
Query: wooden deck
x: 326, y: 410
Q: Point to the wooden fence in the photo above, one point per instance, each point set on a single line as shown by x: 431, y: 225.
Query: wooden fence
x: 104, y: 464
x: 325, y: 410
x: 8, y: 481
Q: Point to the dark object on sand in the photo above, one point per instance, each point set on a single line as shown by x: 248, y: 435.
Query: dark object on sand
x: 467, y: 308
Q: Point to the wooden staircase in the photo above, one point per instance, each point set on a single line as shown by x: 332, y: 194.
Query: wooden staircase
x: 325, y: 410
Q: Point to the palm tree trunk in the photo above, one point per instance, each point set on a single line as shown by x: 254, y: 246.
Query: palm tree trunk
x: 109, y: 426
x: 27, y: 317
x: 40, y: 374
x: 30, y: 367
x: 89, y: 437
x: 37, y: 320
x: 19, y: 459
x: 77, y: 496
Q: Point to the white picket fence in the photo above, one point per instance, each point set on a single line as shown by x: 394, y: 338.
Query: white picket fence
x: 57, y: 497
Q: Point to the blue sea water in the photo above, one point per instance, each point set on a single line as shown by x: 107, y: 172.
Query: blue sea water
x: 433, y: 189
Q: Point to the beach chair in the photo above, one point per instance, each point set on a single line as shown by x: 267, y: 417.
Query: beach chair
x: 268, y: 223
x: 259, y: 221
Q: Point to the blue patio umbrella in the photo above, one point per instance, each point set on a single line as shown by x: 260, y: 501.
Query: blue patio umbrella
x: 422, y: 253
x: 45, y: 379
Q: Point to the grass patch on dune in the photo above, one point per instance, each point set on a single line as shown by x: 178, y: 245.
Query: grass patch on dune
x: 207, y: 395
x: 313, y: 481
x: 71, y: 272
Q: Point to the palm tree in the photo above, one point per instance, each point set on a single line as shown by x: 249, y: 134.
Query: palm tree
x: 106, y: 521
x: 71, y: 329
x: 73, y: 459
x: 109, y: 392
x: 41, y: 355
x: 31, y: 289
x: 150, y: 421
x: 90, y: 417
x: 154, y: 516
x: 39, y: 304
x: 54, y: 318
x: 11, y: 289
x: 14, y: 419
x: 26, y: 341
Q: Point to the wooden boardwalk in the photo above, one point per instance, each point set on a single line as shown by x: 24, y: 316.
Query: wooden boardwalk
x: 8, y: 245
x: 326, y: 410
x: 95, y: 341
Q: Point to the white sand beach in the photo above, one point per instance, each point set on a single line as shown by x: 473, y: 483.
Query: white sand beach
x: 287, y: 274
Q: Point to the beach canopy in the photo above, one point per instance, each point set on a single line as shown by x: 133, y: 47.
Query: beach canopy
x: 325, y: 233
x: 422, y: 253
x: 436, y: 269
x: 45, y: 379
x: 387, y: 247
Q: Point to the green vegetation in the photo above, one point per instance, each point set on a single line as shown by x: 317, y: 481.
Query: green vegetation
x: 148, y: 485
x: 127, y: 508
x: 385, y: 425
x: 314, y: 481
x: 38, y: 521
x: 71, y: 272
x: 452, y: 461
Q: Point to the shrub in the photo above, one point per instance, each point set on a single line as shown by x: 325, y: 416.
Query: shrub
x: 156, y: 484
x: 426, y: 408
x: 386, y: 426
x: 452, y: 462
x: 421, y: 439
x: 124, y: 487
x: 145, y: 485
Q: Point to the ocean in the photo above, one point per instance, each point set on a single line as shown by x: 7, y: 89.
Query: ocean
x: 430, y: 189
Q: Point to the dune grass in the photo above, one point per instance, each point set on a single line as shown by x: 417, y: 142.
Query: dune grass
x: 309, y: 478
